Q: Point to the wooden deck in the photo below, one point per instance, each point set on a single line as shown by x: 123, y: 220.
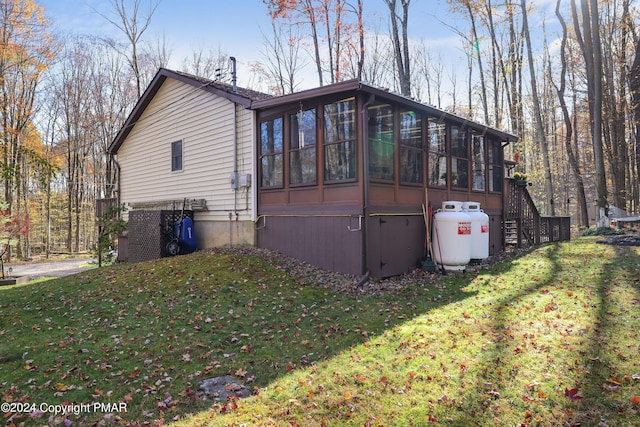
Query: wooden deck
x: 523, y: 225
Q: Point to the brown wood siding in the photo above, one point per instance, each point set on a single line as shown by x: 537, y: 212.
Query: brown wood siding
x: 324, y: 241
x: 496, y: 239
x: 395, y: 244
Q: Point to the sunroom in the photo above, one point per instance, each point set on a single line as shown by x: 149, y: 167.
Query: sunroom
x: 344, y: 170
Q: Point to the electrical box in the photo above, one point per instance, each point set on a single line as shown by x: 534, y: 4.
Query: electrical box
x: 240, y: 180
x: 233, y: 178
x: 244, y: 180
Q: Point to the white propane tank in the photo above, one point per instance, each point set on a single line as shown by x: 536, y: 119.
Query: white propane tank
x: 452, y: 236
x: 479, y: 230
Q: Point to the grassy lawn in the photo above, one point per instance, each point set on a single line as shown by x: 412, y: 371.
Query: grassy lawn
x: 551, y: 338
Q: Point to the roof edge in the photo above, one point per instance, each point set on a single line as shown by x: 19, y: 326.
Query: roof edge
x: 380, y: 93
x: 241, y: 97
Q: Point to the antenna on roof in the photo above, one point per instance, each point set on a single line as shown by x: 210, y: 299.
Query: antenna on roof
x: 233, y: 73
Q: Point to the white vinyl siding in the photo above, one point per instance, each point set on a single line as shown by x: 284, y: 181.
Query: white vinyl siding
x: 204, y: 124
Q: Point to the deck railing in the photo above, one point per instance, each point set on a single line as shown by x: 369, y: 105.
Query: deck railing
x: 523, y: 225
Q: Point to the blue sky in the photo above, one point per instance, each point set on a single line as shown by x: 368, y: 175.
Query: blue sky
x: 234, y: 27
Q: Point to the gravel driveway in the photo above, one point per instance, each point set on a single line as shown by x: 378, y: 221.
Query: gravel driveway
x: 36, y: 270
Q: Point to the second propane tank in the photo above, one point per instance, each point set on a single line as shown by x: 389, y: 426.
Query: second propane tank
x: 479, y: 230
x: 452, y: 236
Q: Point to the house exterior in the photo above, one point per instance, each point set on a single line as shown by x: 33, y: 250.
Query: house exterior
x: 336, y: 176
x: 186, y: 138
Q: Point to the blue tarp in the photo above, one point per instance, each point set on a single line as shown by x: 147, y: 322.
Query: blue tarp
x: 187, y: 236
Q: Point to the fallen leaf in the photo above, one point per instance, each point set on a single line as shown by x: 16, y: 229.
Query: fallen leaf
x: 635, y: 399
x: 614, y: 380
x: 572, y: 394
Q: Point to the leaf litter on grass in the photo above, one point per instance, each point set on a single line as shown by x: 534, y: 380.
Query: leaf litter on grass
x: 505, y: 353
x: 495, y: 348
x: 146, y: 334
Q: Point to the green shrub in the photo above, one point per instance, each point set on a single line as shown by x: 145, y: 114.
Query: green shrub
x: 602, y: 231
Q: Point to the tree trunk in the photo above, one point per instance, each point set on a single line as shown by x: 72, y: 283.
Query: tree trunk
x: 476, y: 47
x: 539, y: 135
x: 573, y: 159
x: 634, y: 87
x: 601, y: 183
x: 401, y: 46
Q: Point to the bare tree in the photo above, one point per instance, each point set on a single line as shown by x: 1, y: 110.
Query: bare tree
x: 568, y: 137
x: 615, y: 37
x: 428, y: 74
x: 133, y: 25
x: 377, y: 64
x: 589, y: 40
x: 334, y: 27
x: 77, y: 126
x: 157, y: 53
x: 476, y: 52
x: 210, y: 64
x: 634, y: 84
x: 113, y: 99
x: 399, y: 34
x: 539, y: 134
x: 282, y: 54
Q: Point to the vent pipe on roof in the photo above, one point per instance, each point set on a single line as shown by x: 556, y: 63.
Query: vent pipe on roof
x: 233, y: 73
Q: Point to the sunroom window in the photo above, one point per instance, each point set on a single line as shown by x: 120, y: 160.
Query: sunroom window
x: 478, y: 163
x: 410, y: 147
x: 340, y: 141
x: 302, y: 150
x: 495, y: 165
x: 437, y: 139
x: 271, y: 138
x: 381, y: 142
x: 459, y: 158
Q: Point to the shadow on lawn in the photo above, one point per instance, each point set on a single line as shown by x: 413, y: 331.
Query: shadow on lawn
x: 342, y: 322
x: 263, y: 326
x: 148, y: 330
x: 610, y: 331
x: 592, y: 362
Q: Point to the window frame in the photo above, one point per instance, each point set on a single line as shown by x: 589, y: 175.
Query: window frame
x: 459, y: 156
x: 299, y: 151
x: 416, y: 148
x: 350, y: 143
x: 177, y: 157
x: 278, y: 176
x: 495, y: 163
x: 440, y: 154
x: 381, y: 130
x: 478, y: 157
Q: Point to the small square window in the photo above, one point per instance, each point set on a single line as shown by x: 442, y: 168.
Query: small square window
x: 176, y: 156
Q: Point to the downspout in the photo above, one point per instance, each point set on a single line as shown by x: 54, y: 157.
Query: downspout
x: 365, y: 188
x: 235, y: 150
x: 115, y: 161
x: 235, y: 137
